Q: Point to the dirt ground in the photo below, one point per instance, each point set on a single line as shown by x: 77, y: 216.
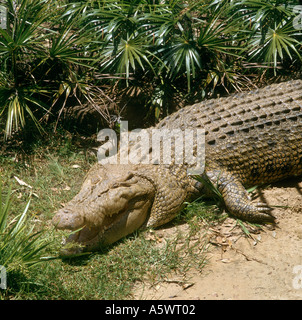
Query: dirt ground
x: 266, y: 266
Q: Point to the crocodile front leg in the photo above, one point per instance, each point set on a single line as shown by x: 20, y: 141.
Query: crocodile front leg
x: 236, y: 198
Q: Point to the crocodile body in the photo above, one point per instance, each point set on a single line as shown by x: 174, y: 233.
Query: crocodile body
x: 250, y: 139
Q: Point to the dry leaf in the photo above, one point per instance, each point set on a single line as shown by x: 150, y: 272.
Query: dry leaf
x: 22, y: 183
x: 225, y: 260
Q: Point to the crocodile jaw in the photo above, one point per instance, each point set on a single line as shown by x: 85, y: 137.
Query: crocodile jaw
x: 117, y: 211
x: 93, y: 237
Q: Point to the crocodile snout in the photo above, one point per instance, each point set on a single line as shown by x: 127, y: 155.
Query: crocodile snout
x: 67, y: 219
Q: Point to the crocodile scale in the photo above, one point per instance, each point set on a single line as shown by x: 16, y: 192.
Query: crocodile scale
x: 251, y: 138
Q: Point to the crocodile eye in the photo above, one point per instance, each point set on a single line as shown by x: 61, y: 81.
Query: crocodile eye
x: 130, y: 175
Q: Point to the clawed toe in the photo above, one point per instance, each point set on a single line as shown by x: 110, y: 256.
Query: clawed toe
x: 264, y: 213
x: 263, y: 207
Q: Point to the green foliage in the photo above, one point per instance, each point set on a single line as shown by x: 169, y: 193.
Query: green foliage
x: 273, y: 38
x: 21, y: 40
x: 20, y: 246
x: 57, y: 52
x: 43, y: 56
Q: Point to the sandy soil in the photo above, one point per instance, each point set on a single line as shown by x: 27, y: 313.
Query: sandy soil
x: 267, y: 266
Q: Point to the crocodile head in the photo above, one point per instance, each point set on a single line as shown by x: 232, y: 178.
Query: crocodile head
x: 113, y: 202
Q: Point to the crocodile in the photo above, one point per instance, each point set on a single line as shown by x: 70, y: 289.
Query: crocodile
x: 251, y: 138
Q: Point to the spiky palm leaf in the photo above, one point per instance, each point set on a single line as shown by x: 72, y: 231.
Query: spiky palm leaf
x: 18, y: 45
x: 273, y: 38
x: 20, y: 246
x: 276, y: 43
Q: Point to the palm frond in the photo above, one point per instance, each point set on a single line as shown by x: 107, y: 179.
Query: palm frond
x: 277, y: 42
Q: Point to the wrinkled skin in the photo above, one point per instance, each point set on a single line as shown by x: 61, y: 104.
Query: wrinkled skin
x: 114, y: 201
x: 119, y: 203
